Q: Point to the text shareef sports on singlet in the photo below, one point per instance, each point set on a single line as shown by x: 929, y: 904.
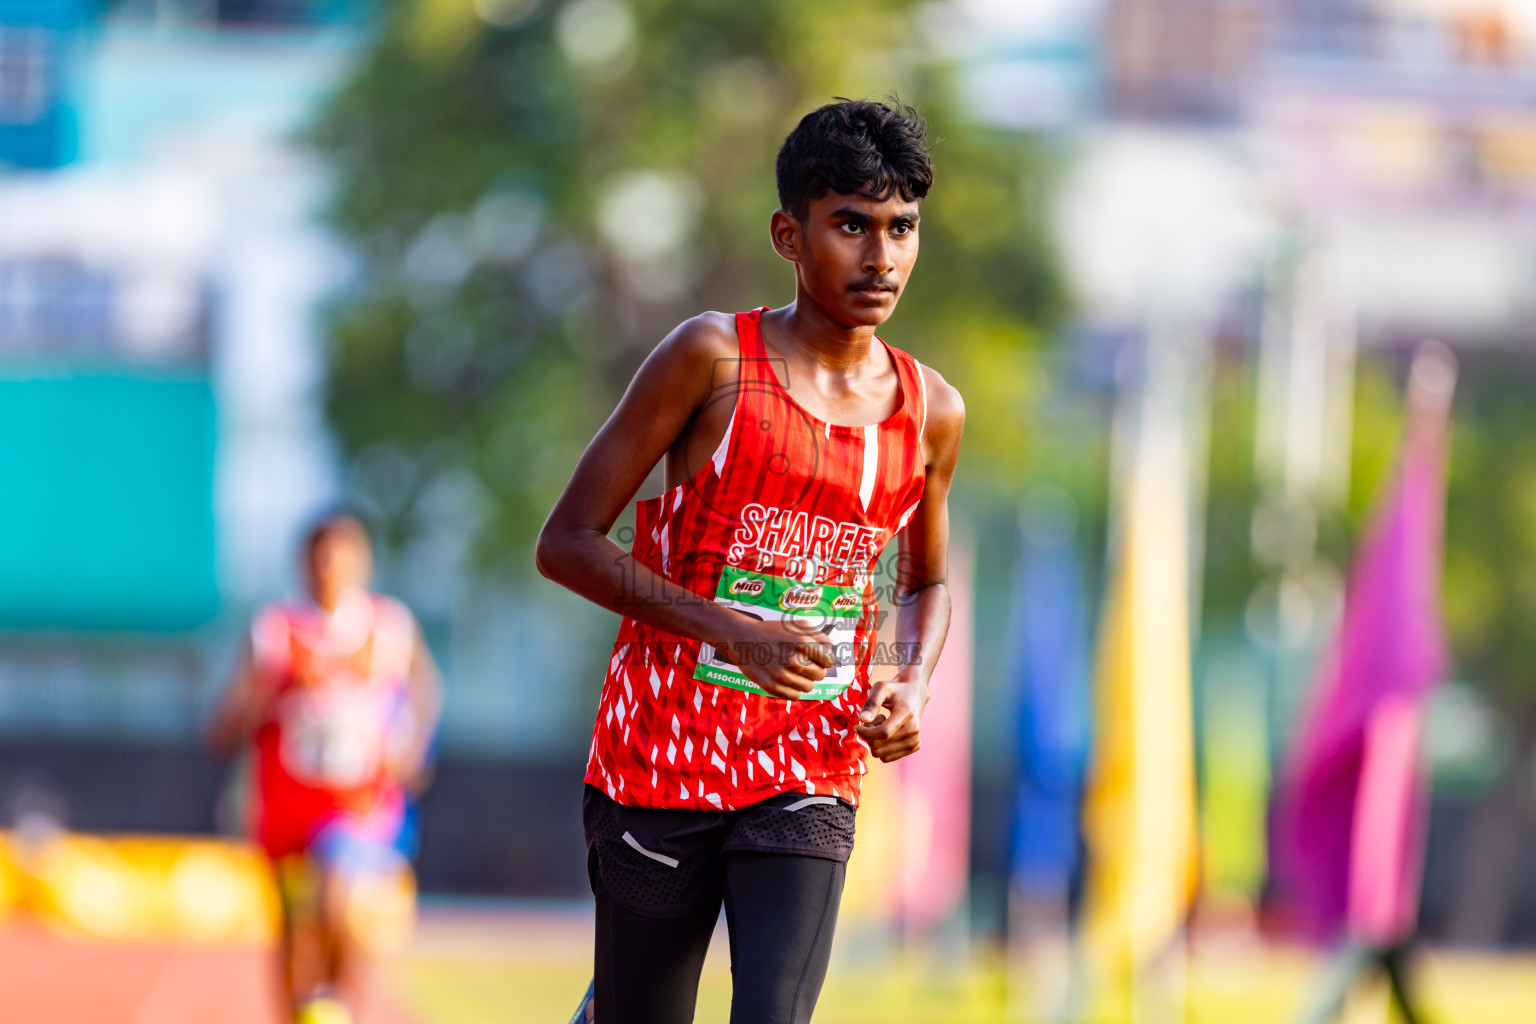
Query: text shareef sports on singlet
x: 808, y: 572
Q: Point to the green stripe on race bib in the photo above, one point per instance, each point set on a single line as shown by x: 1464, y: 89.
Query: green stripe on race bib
x: 811, y: 600
x: 833, y: 611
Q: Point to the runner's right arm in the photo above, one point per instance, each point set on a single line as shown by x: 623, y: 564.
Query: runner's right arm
x: 665, y: 397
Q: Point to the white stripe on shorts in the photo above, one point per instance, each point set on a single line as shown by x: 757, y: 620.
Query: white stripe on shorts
x: 660, y: 858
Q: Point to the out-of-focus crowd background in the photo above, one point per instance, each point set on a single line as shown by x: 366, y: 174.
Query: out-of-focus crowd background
x: 258, y: 257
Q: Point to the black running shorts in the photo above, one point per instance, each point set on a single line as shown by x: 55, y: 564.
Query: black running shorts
x: 666, y: 863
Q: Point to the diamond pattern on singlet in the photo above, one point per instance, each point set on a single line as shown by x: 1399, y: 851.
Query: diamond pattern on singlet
x: 791, y: 496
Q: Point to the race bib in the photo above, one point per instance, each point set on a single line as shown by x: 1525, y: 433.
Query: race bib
x: 820, y: 612
x: 334, y: 736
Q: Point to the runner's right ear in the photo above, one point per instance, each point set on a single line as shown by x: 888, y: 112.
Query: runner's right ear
x: 784, y: 230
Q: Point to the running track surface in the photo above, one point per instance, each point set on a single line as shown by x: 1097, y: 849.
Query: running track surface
x: 505, y: 964
x: 45, y: 979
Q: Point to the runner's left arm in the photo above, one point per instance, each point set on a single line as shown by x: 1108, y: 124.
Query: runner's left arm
x: 424, y: 688
x: 891, y: 718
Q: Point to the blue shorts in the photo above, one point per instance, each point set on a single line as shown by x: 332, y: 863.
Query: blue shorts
x: 359, y: 847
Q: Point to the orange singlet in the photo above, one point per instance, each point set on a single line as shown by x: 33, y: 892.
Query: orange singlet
x: 784, y: 522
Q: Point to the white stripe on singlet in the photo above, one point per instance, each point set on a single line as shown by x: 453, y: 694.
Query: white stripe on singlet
x: 871, y: 464
x: 922, y: 389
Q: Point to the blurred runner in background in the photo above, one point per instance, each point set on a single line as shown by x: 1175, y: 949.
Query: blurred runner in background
x: 338, y: 699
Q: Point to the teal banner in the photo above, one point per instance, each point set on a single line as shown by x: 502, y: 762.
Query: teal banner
x: 106, y: 511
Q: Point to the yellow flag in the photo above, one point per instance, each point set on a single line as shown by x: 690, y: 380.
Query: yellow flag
x: 1139, y: 814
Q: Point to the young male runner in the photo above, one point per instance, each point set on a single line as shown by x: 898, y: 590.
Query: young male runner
x: 737, y: 707
x: 340, y: 698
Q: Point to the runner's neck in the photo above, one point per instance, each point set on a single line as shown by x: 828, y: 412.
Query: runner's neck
x: 804, y: 327
x: 832, y: 368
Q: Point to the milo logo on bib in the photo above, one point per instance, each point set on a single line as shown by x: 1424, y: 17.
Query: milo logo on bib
x: 746, y: 586
x: 799, y: 599
x: 805, y: 609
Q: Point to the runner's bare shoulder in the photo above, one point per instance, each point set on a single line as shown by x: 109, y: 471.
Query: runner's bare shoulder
x: 702, y: 351
x: 946, y: 412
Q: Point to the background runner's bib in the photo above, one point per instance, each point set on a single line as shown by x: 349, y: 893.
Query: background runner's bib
x: 338, y: 707
x: 784, y: 522
x: 337, y: 737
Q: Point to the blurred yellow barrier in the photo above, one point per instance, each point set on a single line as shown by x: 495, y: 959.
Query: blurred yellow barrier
x: 9, y: 885
x: 176, y: 889
x: 143, y: 888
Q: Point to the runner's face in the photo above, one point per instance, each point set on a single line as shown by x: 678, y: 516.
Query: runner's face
x: 340, y: 563
x: 854, y: 254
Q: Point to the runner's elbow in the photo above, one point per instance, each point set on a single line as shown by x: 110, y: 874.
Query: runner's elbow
x: 546, y: 554
x: 553, y: 553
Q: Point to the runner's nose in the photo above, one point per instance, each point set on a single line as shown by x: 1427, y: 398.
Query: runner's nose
x: 877, y: 256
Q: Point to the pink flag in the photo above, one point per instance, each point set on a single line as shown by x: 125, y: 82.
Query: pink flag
x: 1387, y: 852
x: 936, y: 781
x: 1350, y: 810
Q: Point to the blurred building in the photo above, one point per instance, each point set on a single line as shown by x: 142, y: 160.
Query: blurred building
x: 159, y: 274
x: 158, y: 289
x: 40, y: 44
x: 163, y: 270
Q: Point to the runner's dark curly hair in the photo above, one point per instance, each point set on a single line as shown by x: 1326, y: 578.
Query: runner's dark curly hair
x: 854, y: 147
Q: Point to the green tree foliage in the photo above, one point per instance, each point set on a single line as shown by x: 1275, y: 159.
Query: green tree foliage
x: 1490, y: 581
x: 536, y: 192
x: 1231, y: 494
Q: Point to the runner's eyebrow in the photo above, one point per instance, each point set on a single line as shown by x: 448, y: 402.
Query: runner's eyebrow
x: 864, y: 219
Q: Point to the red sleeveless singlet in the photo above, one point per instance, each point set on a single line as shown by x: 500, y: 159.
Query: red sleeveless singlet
x: 338, y: 684
x: 785, y: 520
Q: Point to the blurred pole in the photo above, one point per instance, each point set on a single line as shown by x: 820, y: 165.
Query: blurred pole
x: 1050, y: 709
x: 935, y: 784
x: 1302, y: 462
x: 1306, y: 379
x: 1139, y: 815
x: 1302, y: 466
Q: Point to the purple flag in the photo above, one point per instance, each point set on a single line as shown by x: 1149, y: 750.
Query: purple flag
x: 1350, y: 810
